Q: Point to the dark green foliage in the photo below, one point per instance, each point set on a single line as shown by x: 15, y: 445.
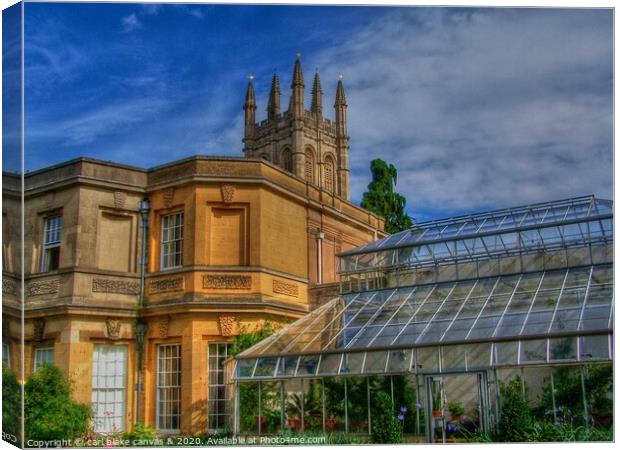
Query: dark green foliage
x: 140, y: 432
x: 248, y: 392
x: 516, y: 418
x: 50, y: 412
x: 456, y: 408
x: 568, y: 393
x: 386, y: 428
x: 248, y: 337
x: 11, y: 401
x: 383, y: 200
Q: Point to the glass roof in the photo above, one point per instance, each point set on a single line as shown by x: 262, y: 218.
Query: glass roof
x: 558, y: 302
x: 485, y: 303
x: 535, y: 215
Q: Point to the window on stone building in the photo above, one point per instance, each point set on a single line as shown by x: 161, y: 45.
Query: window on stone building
x: 309, y: 166
x: 109, y: 388
x: 287, y: 160
x: 168, y: 387
x: 217, y: 404
x: 43, y: 356
x: 6, y: 358
x: 172, y: 240
x: 50, y: 258
x: 329, y: 175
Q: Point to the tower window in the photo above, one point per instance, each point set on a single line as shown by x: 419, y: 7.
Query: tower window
x: 287, y: 160
x: 329, y: 175
x: 50, y: 259
x: 309, y: 166
x: 172, y: 241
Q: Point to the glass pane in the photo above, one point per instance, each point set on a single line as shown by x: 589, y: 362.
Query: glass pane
x: 533, y: 351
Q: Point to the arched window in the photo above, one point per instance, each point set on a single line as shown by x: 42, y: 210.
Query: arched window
x: 329, y: 169
x: 309, y: 166
x: 287, y: 160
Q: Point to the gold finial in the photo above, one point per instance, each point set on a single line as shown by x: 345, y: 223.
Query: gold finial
x: 340, y: 76
x: 251, y: 77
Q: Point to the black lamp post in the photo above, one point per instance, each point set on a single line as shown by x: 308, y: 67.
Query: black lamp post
x: 141, y: 326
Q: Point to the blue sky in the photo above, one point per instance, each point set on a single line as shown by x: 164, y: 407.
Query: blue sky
x: 477, y: 108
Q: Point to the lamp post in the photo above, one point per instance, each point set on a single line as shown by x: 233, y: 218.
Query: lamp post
x: 141, y: 326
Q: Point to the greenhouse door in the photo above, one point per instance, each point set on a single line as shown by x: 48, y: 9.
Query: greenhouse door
x: 456, y: 406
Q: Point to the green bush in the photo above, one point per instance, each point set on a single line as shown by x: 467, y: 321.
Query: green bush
x: 515, y: 418
x: 50, y: 412
x: 386, y: 429
x: 11, y: 401
x: 140, y: 432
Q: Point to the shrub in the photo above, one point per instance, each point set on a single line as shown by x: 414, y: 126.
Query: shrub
x: 386, y: 429
x: 515, y: 419
x: 140, y: 432
x: 11, y: 401
x: 50, y: 412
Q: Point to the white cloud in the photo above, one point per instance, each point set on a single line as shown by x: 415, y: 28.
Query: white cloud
x: 480, y: 108
x: 130, y: 23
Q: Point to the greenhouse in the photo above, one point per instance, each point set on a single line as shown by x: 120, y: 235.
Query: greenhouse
x: 439, y: 319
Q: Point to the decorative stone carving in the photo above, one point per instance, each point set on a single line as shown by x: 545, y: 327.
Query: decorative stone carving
x: 227, y: 325
x: 168, y: 196
x: 43, y: 287
x: 227, y: 282
x: 228, y: 192
x: 120, y: 198
x: 114, y: 328
x: 166, y: 285
x: 39, y: 328
x: 115, y: 286
x: 163, y: 325
x: 281, y: 287
x: 9, y: 287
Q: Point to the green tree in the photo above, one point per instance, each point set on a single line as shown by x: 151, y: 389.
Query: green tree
x: 383, y: 200
x: 50, y: 411
x: 11, y: 401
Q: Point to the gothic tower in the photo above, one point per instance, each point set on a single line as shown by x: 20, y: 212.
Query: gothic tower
x: 300, y: 141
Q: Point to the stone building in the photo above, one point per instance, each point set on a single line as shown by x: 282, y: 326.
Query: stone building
x: 230, y: 243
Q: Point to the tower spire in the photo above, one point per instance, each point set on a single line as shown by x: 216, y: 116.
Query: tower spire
x: 250, y: 109
x: 340, y: 97
x: 342, y: 141
x: 317, y: 96
x: 273, y: 107
x: 296, y: 107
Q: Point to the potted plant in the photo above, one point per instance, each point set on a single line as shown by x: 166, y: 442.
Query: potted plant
x: 437, y: 404
x: 456, y: 410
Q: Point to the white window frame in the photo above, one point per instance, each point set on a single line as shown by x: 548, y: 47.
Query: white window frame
x: 43, y: 355
x: 109, y: 388
x: 168, y: 382
x: 213, y: 368
x: 52, y: 230
x: 171, y: 240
